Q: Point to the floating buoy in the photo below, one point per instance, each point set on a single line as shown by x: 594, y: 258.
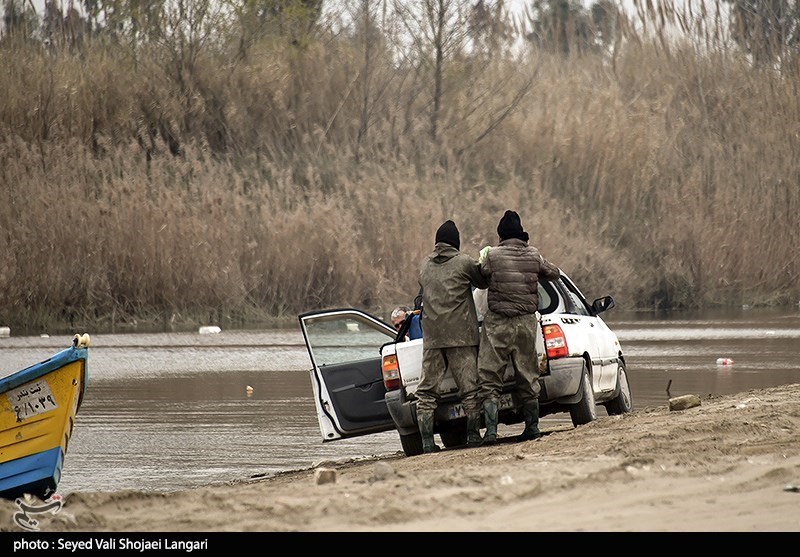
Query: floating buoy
x: 5, y: 332
x: 724, y: 362
x: 209, y: 330
x: 249, y: 390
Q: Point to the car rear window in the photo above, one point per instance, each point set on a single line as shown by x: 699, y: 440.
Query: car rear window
x: 548, y: 299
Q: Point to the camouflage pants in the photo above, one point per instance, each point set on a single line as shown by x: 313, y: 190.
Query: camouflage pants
x: 504, y: 340
x: 462, y: 361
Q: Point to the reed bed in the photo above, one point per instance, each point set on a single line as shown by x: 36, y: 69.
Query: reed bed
x: 240, y: 190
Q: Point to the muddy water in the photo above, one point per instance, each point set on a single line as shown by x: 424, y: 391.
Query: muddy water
x: 170, y: 411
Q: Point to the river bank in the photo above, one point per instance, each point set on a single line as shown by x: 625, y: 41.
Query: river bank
x: 730, y: 464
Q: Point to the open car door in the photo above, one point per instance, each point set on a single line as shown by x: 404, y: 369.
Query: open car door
x: 344, y: 347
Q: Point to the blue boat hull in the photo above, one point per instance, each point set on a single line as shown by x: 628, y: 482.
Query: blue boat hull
x: 38, y: 406
x: 37, y: 474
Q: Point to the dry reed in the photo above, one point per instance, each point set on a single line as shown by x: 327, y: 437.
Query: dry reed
x: 664, y: 173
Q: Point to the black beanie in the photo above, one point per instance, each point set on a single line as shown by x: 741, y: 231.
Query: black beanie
x: 511, y: 227
x: 448, y: 233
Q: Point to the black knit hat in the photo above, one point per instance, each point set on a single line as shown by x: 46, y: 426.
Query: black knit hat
x: 448, y: 233
x: 511, y: 227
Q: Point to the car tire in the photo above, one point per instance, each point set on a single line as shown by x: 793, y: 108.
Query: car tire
x: 623, y: 402
x: 412, y: 444
x: 454, y: 437
x: 585, y: 410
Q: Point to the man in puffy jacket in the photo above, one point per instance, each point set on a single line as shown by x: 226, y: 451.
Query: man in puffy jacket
x: 509, y: 327
x: 449, y: 331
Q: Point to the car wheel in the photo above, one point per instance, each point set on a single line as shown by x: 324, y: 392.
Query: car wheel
x: 455, y: 437
x: 623, y: 402
x: 412, y: 444
x: 585, y: 410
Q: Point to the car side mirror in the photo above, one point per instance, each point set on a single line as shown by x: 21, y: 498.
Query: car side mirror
x: 602, y: 304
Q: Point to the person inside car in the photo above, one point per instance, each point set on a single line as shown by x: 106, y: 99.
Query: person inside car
x: 400, y: 314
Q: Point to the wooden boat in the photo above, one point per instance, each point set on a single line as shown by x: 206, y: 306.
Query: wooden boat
x: 37, y: 413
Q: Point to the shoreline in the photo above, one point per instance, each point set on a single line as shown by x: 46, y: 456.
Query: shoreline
x: 730, y: 464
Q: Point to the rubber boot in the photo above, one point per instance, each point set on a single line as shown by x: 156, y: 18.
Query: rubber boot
x: 425, y: 420
x: 531, y: 412
x: 474, y: 430
x: 490, y: 416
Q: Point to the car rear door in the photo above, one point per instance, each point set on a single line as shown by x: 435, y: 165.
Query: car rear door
x: 344, y: 347
x: 603, y: 355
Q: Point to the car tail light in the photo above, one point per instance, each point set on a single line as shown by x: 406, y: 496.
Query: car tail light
x: 391, y: 372
x: 555, y: 342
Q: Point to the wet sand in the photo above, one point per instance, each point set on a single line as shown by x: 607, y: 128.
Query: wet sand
x: 731, y: 464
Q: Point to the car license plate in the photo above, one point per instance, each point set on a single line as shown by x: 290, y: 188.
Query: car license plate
x: 506, y: 401
x: 457, y: 410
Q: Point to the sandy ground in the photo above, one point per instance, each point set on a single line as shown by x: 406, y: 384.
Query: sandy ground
x: 730, y: 464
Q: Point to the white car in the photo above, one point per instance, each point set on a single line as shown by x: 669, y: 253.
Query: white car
x: 364, y: 373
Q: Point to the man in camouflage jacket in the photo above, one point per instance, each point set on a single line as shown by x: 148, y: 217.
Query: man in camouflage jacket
x: 450, y: 332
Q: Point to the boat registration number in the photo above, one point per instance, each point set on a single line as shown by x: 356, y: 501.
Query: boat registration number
x: 457, y: 410
x: 32, y: 399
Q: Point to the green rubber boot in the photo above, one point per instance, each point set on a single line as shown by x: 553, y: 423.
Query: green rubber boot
x: 474, y: 430
x: 531, y: 412
x: 425, y: 420
x: 490, y: 416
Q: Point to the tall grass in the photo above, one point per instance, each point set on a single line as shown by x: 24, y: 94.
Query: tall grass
x: 664, y: 173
